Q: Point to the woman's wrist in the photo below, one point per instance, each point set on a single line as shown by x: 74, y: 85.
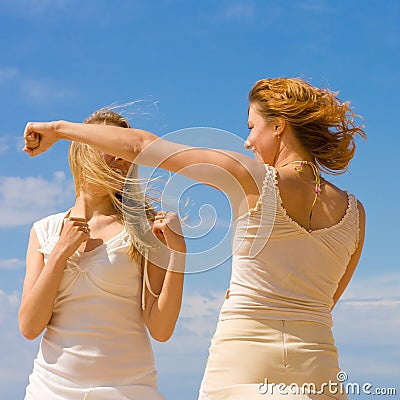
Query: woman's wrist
x: 177, y: 261
x: 59, y: 128
x: 178, y: 246
x: 59, y: 254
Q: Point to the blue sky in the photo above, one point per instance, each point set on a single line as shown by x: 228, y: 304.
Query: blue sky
x: 192, y: 64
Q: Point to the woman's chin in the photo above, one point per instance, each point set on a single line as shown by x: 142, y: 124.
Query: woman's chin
x: 257, y: 157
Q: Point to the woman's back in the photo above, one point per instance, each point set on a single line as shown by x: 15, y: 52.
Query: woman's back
x: 280, y: 268
x: 297, y: 192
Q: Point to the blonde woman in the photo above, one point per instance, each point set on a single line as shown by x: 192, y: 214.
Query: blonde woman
x: 297, y: 238
x: 91, y: 290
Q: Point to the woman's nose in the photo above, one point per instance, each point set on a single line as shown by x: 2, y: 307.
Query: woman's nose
x: 247, y: 145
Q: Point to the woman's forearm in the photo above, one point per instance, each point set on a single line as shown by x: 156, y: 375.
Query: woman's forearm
x: 165, y: 309
x: 121, y: 142
x: 37, y: 305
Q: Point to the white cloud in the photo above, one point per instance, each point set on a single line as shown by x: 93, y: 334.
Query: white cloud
x: 11, y: 263
x: 8, y: 74
x: 354, y: 318
x: 231, y: 11
x: 367, y: 337
x: 33, y: 8
x: 43, y: 90
x: 8, y: 304
x: 375, y: 287
x: 16, y: 353
x: 23, y: 200
x: 4, y: 146
x: 36, y: 89
x: 239, y: 10
x: 317, y: 6
x: 8, y: 142
x: 366, y: 326
x: 182, y: 360
x: 200, y: 312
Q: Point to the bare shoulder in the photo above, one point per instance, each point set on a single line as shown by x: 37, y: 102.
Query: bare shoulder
x: 334, y: 193
x: 336, y: 200
x: 340, y: 196
x: 249, y: 167
x: 361, y: 209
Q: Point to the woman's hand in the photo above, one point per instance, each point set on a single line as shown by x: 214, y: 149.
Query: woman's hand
x: 39, y: 137
x: 75, y: 231
x: 168, y: 230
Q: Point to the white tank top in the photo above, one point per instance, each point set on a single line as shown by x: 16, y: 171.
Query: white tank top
x: 96, y: 337
x: 280, y: 270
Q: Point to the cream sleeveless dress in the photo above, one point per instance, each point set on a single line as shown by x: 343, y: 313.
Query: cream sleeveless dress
x: 96, y: 345
x: 275, y: 324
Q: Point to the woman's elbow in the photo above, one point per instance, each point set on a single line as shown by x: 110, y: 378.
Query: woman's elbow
x: 162, y: 334
x: 138, y: 144
x: 162, y: 337
x: 27, y: 331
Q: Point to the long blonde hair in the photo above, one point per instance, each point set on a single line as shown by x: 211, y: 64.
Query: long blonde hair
x: 323, y: 124
x: 89, y: 167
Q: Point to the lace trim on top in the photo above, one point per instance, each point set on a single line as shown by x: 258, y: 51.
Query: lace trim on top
x: 357, y: 241
x: 351, y: 206
x: 267, y: 177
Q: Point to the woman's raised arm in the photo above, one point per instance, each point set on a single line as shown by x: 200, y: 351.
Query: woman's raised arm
x: 233, y: 173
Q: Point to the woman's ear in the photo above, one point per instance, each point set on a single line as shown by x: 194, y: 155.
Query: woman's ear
x: 279, y: 126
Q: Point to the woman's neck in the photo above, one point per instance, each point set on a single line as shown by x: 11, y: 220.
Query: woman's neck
x: 291, y: 150
x: 287, y: 157
x: 89, y: 205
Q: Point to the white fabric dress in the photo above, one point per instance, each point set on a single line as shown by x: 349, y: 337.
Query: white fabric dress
x: 96, y: 345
